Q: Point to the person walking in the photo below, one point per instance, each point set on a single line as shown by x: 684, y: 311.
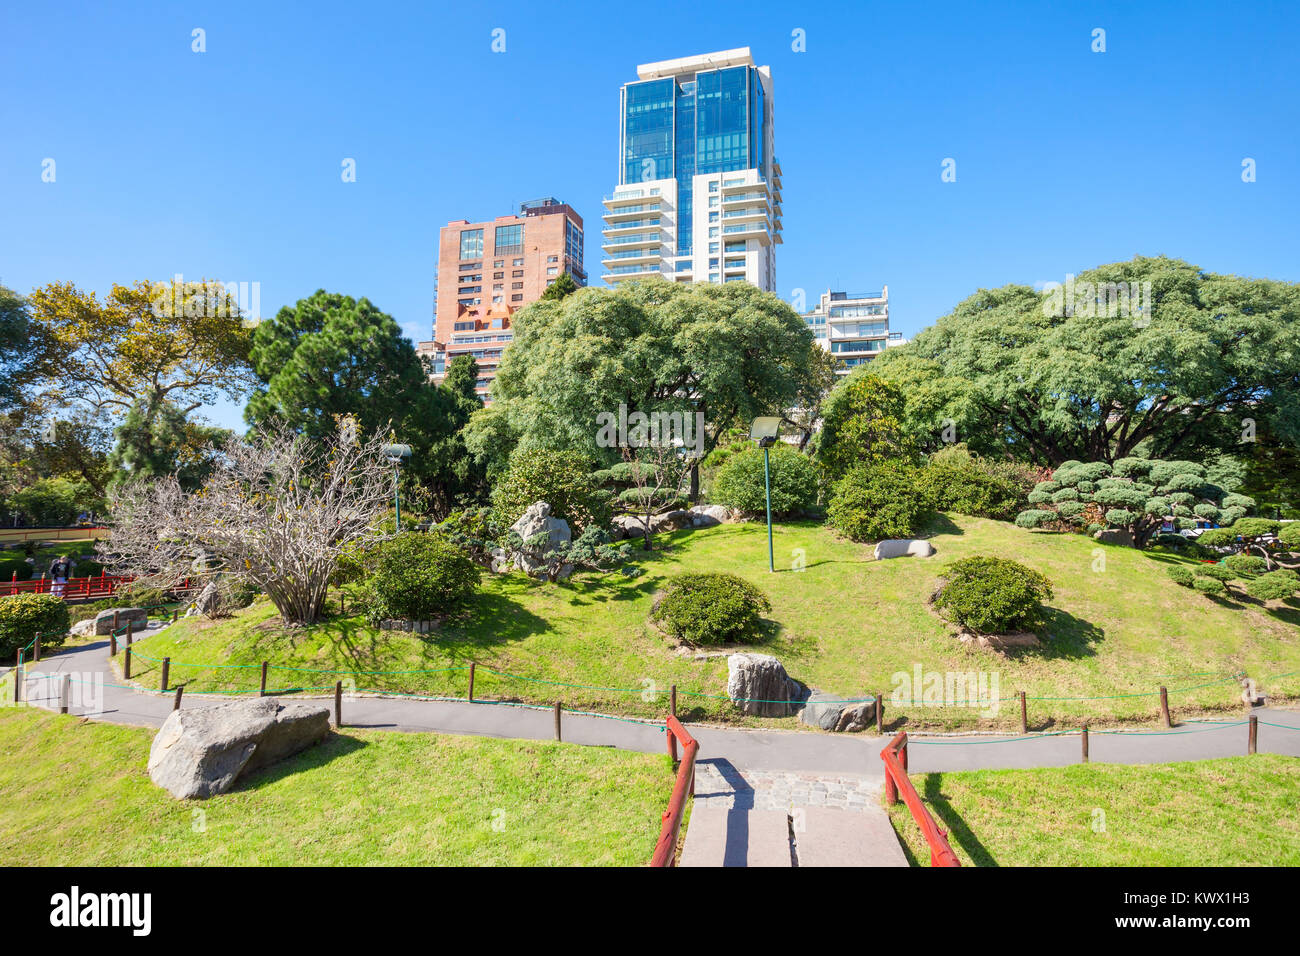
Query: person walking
x: 60, y: 571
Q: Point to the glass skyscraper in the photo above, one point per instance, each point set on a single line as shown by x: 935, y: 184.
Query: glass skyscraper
x: 684, y: 125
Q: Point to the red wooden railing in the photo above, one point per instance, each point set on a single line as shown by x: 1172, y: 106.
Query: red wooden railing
x: 896, y: 782
x: 666, y: 849
x: 75, y: 589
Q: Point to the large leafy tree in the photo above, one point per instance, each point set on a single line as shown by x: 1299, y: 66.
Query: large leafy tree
x: 1054, y: 378
x: 729, y: 352
x: 22, y: 349
x: 145, y: 358
x: 329, y: 356
x: 862, y: 421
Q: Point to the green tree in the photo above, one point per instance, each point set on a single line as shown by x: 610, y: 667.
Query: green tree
x: 861, y: 422
x: 1084, y: 374
x: 563, y: 285
x: 22, y: 349
x: 729, y: 352
x: 156, y: 442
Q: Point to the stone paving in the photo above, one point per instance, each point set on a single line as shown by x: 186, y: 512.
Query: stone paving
x: 718, y: 784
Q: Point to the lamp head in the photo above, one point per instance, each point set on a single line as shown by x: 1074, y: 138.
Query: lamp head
x: 396, y: 453
x: 764, y: 431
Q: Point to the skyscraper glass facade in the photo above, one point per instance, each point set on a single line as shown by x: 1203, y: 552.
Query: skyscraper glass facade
x: 704, y: 122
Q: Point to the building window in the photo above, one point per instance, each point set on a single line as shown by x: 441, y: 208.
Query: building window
x: 552, y: 258
x: 517, y: 274
x: 462, y: 326
x: 713, y: 247
x: 498, y: 275
x: 517, y: 298
x: 713, y: 201
x: 516, y: 285
x: 713, y: 186
x: 713, y: 232
x: 496, y: 300
x: 573, y: 242
x: 551, y: 270
x: 738, y: 246
x: 498, y: 264
x: 509, y: 239
x: 517, y: 262
x: 713, y: 217
x: 471, y: 243
x: 713, y: 277
x: 498, y: 287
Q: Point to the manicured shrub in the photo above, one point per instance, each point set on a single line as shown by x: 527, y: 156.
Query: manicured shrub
x: 1274, y: 586
x: 972, y: 490
x: 1245, y: 564
x: 1034, y: 518
x: 1180, y: 575
x: 1216, y: 571
x: 562, y: 479
x: 1209, y: 586
x: 1289, y: 536
x: 418, y: 577
x: 994, y: 595
x: 711, y: 608
x: 739, y: 482
x: 23, y: 616
x: 872, y: 502
x: 1172, y: 542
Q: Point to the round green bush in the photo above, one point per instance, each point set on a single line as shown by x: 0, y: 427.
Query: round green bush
x: 1289, y: 535
x: 739, y: 482
x: 972, y: 490
x: 1033, y: 518
x: 1216, y: 571
x: 1180, y: 575
x: 994, y: 595
x: 1246, y: 564
x: 711, y: 608
x: 23, y: 616
x: 15, y: 569
x: 873, y: 502
x: 1274, y: 586
x: 418, y: 577
x: 1209, y: 586
x: 562, y: 479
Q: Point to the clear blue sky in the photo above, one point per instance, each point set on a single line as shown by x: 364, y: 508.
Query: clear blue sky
x: 226, y: 164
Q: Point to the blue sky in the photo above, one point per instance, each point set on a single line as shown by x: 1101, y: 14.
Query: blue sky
x: 226, y: 164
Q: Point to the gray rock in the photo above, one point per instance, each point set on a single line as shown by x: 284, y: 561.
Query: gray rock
x: 759, y: 685
x: 626, y: 526
x: 706, y: 516
x: 671, y: 521
x: 903, y: 547
x: 138, y: 617
x: 829, y: 712
x: 537, y: 520
x: 210, y: 600
x: 82, y: 628
x: 1119, y: 536
x: 199, y: 753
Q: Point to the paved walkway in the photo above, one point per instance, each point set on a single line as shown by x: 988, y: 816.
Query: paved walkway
x: 757, y: 791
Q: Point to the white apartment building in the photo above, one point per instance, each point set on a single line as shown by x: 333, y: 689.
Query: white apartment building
x: 853, y: 326
x: 699, y: 194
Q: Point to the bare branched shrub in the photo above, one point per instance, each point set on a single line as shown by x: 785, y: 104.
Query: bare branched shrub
x: 276, y: 514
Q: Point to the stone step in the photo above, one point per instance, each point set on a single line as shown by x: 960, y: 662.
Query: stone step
x: 828, y: 836
x: 718, y: 836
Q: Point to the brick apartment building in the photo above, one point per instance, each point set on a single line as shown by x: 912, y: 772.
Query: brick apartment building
x: 489, y: 270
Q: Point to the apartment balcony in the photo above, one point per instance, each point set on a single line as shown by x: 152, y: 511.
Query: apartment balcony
x: 741, y: 187
x: 635, y: 211
x: 633, y: 240
x: 644, y: 271
x: 624, y: 196
x: 750, y: 230
x: 634, y: 257
x: 628, y: 226
x: 747, y: 214
x: 752, y: 196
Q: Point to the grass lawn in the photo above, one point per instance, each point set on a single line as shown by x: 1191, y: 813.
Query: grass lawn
x: 77, y: 793
x: 1238, y: 811
x: 845, y: 624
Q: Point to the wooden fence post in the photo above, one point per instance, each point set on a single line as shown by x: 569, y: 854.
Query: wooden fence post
x: 880, y: 713
x: 65, y: 693
x: 166, y: 670
x: 1024, y: 714
x: 36, y: 646
x: 130, y: 630
x: 1254, y: 734
x: 557, y: 720
x: 470, y: 695
x: 115, y: 624
x: 338, y: 704
x: 262, y: 691
x: 1085, y: 741
x: 175, y: 614
x: 176, y: 704
x: 1164, y: 706
x: 126, y: 663
x: 674, y: 700
x: 112, y: 645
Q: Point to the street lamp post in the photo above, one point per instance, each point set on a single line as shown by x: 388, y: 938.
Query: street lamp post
x: 764, y: 432
x: 396, y: 454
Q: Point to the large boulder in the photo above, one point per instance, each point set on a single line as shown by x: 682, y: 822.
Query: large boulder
x: 829, y: 712
x: 537, y: 520
x: 903, y: 547
x: 138, y: 617
x: 210, y: 600
x: 626, y: 526
x: 671, y: 521
x: 759, y: 685
x: 199, y: 753
x: 1120, y: 536
x: 706, y: 516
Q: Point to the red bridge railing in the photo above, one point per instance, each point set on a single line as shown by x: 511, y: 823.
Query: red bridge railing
x: 897, y: 782
x: 666, y: 849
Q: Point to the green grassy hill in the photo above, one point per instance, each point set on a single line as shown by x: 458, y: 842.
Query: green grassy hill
x: 845, y: 623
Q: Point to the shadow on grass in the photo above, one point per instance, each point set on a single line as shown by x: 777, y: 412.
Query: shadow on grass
x: 333, y: 747
x: 1065, y: 637
x: 941, y: 524
x: 949, y: 819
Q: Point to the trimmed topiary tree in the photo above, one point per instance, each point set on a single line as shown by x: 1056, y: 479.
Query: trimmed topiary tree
x: 873, y: 502
x: 1274, y: 586
x: 994, y: 595
x: 1136, y: 495
x: 739, y: 482
x: 563, y: 479
x: 711, y: 608
x: 1243, y: 536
